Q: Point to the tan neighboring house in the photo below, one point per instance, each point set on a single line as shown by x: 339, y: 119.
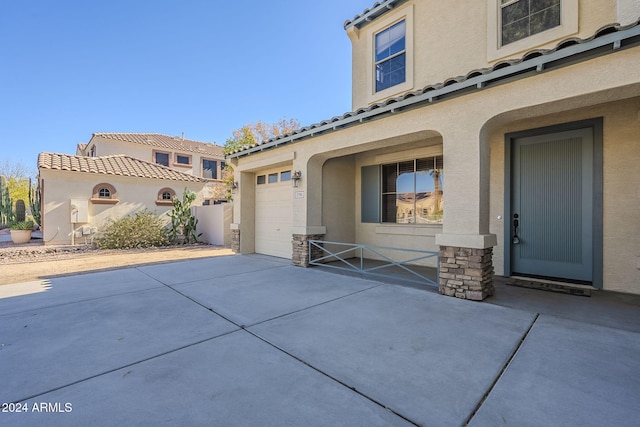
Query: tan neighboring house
x: 502, y: 137
x: 79, y: 194
x: 197, y: 158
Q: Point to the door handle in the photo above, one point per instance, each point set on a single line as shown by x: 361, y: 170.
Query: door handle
x: 516, y: 224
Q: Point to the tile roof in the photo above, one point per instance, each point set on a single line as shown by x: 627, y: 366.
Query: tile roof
x: 119, y: 165
x: 607, y: 39
x: 174, y: 143
x: 369, y: 14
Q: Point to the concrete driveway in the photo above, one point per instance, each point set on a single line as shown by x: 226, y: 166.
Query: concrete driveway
x: 250, y: 340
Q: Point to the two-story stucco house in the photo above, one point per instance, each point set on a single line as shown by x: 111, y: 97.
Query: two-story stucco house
x: 502, y: 134
x: 116, y: 174
x: 197, y: 158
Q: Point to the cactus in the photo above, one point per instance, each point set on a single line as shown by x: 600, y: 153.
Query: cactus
x: 21, y: 211
x: 6, y: 212
x: 34, y: 202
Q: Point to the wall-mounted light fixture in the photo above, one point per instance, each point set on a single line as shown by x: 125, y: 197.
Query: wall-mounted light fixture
x: 295, y: 177
x: 234, y: 187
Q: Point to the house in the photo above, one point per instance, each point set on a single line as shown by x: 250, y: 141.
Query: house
x: 79, y: 194
x: 197, y: 158
x: 502, y: 134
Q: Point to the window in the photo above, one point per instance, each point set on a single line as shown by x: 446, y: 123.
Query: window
x: 161, y: 158
x: 285, y: 176
x: 262, y: 179
x: 390, y: 56
x: 209, y: 169
x: 104, y: 194
x: 273, y: 178
x: 409, y: 192
x: 518, y: 26
x: 165, y: 197
x: 524, y: 18
x: 183, y: 159
x: 412, y: 191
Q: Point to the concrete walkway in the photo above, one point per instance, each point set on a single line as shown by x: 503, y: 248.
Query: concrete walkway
x: 251, y: 340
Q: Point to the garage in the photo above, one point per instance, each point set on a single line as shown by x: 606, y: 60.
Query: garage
x: 274, y: 212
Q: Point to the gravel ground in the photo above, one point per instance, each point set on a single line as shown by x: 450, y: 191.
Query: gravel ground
x: 34, y: 261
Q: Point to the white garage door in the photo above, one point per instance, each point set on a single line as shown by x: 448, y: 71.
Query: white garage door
x: 273, y: 213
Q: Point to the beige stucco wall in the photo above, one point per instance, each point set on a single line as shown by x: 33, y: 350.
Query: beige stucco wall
x: 109, y: 147
x: 134, y: 194
x: 466, y: 128
x: 450, y: 39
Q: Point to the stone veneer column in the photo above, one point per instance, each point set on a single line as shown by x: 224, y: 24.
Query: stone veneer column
x: 235, y: 240
x: 466, y: 273
x: 300, y: 255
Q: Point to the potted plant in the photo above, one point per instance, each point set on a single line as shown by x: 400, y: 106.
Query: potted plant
x: 21, y: 231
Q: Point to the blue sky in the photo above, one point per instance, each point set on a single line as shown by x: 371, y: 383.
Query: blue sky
x: 69, y: 68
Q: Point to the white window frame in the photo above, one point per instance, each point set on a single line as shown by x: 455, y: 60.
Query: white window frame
x: 400, y: 14
x: 495, y: 51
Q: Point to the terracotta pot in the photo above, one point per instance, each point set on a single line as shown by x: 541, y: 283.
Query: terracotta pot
x: 20, y: 236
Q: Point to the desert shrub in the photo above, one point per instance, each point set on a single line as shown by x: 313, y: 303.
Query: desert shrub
x: 143, y: 229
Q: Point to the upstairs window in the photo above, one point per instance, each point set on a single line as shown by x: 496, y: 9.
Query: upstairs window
x: 524, y: 18
x: 209, y: 169
x: 183, y: 160
x: 161, y: 158
x: 390, y: 56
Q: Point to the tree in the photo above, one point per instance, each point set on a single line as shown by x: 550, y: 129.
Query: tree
x: 17, y: 180
x: 250, y: 135
x: 257, y: 133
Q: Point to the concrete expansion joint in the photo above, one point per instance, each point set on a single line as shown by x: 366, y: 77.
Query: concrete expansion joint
x: 502, y: 371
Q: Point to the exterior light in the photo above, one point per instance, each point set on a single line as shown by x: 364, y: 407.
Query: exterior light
x: 295, y: 177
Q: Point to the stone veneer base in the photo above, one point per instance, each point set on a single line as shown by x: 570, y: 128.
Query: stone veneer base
x: 300, y: 254
x: 235, y: 240
x: 466, y: 273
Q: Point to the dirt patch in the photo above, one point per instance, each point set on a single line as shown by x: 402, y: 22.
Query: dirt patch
x: 35, y: 262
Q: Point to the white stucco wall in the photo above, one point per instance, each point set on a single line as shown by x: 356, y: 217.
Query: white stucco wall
x: 134, y: 194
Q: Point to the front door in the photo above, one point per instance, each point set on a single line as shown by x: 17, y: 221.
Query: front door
x: 552, y: 206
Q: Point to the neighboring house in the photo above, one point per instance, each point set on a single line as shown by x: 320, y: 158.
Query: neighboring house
x: 80, y: 194
x: 197, y: 158
x: 505, y: 137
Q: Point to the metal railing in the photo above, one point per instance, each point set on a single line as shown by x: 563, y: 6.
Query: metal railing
x: 371, y: 259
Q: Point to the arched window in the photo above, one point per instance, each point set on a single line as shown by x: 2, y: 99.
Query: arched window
x: 104, y: 194
x: 165, y: 197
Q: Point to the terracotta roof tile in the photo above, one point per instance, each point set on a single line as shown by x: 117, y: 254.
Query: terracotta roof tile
x: 173, y: 143
x: 119, y: 165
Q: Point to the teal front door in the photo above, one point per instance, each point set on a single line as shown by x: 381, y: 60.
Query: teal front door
x: 551, y: 212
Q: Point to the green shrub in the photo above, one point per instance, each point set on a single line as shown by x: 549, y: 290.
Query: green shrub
x: 22, y: 225
x: 143, y: 229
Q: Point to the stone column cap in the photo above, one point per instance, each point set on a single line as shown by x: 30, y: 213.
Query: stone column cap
x: 473, y: 241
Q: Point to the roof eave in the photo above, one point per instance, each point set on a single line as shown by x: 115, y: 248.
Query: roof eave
x: 522, y: 69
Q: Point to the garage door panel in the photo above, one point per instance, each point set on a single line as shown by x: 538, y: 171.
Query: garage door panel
x: 274, y: 219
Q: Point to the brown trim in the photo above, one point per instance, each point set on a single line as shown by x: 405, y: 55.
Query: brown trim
x: 104, y: 201
x: 111, y: 200
x: 218, y: 170
x: 168, y: 153
x: 164, y: 202
x: 182, y: 165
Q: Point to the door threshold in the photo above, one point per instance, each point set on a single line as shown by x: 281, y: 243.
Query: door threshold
x: 550, y: 285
